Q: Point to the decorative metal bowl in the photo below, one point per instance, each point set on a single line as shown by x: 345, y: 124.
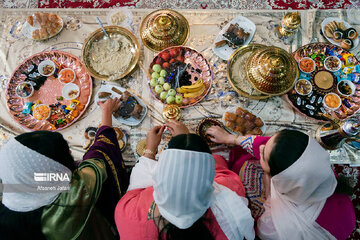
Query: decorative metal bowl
x: 98, y: 35
x: 164, y: 28
x: 236, y: 72
x: 204, y: 125
x: 272, y: 71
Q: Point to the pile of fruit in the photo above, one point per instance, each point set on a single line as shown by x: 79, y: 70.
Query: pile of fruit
x: 175, y: 78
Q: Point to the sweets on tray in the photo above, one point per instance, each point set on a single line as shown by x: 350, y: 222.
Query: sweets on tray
x: 129, y: 106
x: 236, y: 35
x: 244, y: 122
x: 340, y: 34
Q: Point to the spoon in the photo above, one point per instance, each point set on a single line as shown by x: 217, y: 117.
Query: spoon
x: 114, y: 45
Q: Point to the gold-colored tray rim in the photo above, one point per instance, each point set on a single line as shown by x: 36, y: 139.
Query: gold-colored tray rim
x: 271, y: 94
x: 131, y: 67
x: 160, y: 49
x: 230, y: 62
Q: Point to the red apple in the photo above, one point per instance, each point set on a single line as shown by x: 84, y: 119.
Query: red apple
x: 172, y: 60
x: 180, y: 58
x: 165, y: 65
x: 165, y: 56
x: 159, y: 61
x: 173, y: 52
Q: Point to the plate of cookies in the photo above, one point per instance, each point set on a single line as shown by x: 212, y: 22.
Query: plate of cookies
x: 340, y: 33
x: 42, y: 26
x: 241, y: 121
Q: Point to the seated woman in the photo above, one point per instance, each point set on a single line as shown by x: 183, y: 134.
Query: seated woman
x: 80, y: 205
x: 187, y: 194
x: 299, y: 186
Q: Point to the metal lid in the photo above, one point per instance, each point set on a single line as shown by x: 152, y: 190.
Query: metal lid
x: 236, y: 71
x: 271, y: 71
x: 164, y: 28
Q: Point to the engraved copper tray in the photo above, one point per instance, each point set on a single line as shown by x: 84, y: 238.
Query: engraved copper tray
x: 350, y: 105
x: 197, y: 61
x: 48, y: 92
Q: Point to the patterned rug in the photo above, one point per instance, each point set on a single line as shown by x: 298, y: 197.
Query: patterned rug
x: 180, y: 4
x: 251, y: 176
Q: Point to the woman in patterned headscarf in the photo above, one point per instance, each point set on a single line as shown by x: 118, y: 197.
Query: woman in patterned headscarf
x: 46, y: 196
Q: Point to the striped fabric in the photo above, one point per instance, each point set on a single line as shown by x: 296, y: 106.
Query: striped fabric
x: 184, y: 185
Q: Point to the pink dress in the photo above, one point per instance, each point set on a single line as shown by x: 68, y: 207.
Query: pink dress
x: 133, y: 213
x: 337, y: 215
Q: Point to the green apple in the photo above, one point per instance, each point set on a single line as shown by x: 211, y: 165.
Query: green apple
x: 170, y: 99
x: 163, y: 73
x: 156, y: 68
x: 172, y: 92
x: 178, y: 99
x: 153, y: 82
x: 163, y: 95
x: 159, y: 89
x: 155, y: 75
x: 161, y: 80
x: 166, y: 86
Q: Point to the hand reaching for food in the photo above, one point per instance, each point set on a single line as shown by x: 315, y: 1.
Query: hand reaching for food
x: 177, y: 128
x: 219, y: 135
x: 153, y: 138
x: 107, y: 108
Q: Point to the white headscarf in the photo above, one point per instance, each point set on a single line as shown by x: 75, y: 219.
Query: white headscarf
x: 18, y: 165
x: 299, y: 193
x: 184, y: 189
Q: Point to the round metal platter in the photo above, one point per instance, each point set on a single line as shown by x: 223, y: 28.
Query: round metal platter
x: 48, y: 92
x: 236, y: 72
x: 311, y: 105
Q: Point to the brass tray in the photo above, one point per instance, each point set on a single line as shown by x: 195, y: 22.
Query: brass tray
x: 99, y: 34
x: 164, y: 28
x: 236, y: 72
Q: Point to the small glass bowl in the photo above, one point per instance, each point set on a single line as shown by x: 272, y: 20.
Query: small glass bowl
x: 307, y: 58
x: 43, y: 116
x: 24, y: 90
x: 44, y: 64
x: 334, y: 96
x: 332, y: 69
x: 349, y: 84
x: 300, y: 87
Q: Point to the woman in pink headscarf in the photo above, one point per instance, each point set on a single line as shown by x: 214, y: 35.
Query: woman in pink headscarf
x: 302, y: 199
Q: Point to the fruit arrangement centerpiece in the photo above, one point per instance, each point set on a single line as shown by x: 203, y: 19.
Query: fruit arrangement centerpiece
x: 180, y: 75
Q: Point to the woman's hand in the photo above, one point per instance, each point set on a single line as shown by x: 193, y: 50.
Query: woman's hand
x: 177, y: 128
x: 107, y: 108
x: 219, y: 135
x: 153, y: 139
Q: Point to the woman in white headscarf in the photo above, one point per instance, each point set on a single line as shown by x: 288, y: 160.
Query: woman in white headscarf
x: 302, y: 198
x: 187, y: 194
x: 46, y: 196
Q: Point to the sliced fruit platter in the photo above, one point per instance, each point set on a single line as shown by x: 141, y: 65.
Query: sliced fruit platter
x: 180, y: 75
x: 329, y: 82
